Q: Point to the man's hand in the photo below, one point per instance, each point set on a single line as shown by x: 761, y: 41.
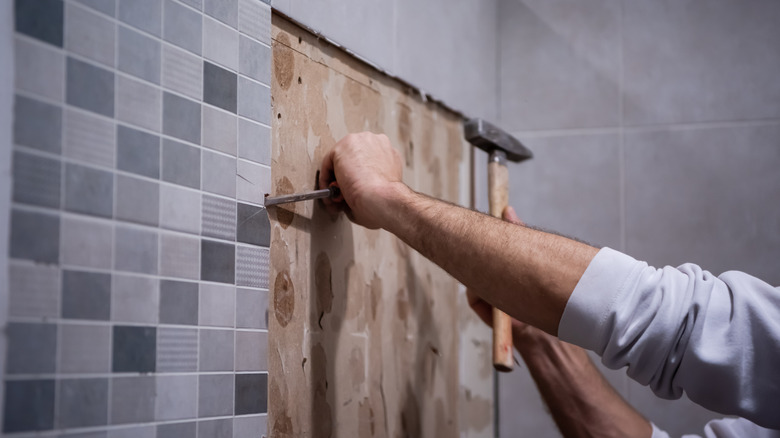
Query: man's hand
x: 368, y: 171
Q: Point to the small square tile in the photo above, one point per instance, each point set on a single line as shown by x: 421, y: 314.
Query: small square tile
x: 88, y: 190
x: 41, y: 19
x: 215, y: 395
x: 37, y: 125
x: 89, y: 34
x: 251, y: 351
x: 225, y: 11
x: 219, y: 218
x: 219, y: 87
x: 220, y: 130
x: 89, y: 87
x: 139, y: 55
x: 216, y: 350
x: 138, y: 103
x: 252, y: 225
x: 177, y: 430
x: 142, y: 14
x: 34, y: 291
x: 177, y: 350
x: 217, y: 261
x: 182, y: 72
x: 250, y: 427
x: 251, y: 394
x: 134, y: 432
x: 217, y: 305
x: 254, y: 60
x: 254, y: 19
x: 89, y: 138
x: 136, y: 250
x: 252, y: 266
x: 132, y: 399
x: 181, y: 164
x: 220, y: 44
x: 254, y: 142
x: 86, y: 242
x: 183, y: 27
x: 178, y: 302
x: 254, y: 100
x: 29, y: 405
x: 35, y: 236
x: 251, y: 308
x: 36, y: 180
x: 222, y: 428
x: 86, y: 295
x: 176, y: 397
x: 181, y: 118
x: 137, y: 200
x: 179, y: 256
x: 84, y: 349
x: 107, y: 7
x: 82, y: 402
x: 219, y: 174
x: 134, y: 349
x: 180, y: 209
x: 32, y: 348
x: 40, y: 70
x: 138, y: 152
x: 135, y: 299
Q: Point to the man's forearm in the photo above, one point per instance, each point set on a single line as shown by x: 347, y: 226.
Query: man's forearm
x: 527, y: 273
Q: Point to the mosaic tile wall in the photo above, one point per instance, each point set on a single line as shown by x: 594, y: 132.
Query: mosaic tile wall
x: 139, y: 247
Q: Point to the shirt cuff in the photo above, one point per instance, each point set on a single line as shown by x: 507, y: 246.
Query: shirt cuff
x: 585, y: 320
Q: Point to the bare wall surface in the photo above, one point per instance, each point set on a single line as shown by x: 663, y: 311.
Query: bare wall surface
x: 363, y: 331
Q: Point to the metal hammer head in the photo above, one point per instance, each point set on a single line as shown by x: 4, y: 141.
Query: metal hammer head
x: 491, y: 138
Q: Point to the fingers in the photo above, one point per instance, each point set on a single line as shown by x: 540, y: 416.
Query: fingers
x: 480, y: 307
x: 509, y: 215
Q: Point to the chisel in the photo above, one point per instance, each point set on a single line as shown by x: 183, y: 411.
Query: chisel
x: 332, y: 192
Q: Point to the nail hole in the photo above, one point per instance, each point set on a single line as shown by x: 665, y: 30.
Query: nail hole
x: 279, y: 115
x: 299, y: 80
x: 300, y: 40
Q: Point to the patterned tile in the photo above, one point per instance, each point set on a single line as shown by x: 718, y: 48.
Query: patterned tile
x: 36, y: 180
x: 177, y: 349
x: 89, y: 139
x: 179, y: 256
x: 225, y: 11
x: 252, y: 266
x: 34, y: 291
x: 219, y: 218
x: 182, y: 72
x: 254, y: 19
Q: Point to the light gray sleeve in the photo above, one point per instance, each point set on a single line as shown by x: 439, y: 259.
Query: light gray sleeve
x: 683, y: 329
x: 726, y: 428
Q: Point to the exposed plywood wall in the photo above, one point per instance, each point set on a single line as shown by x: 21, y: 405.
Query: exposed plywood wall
x: 363, y: 331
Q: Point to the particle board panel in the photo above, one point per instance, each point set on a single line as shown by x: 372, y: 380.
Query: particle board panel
x: 363, y: 331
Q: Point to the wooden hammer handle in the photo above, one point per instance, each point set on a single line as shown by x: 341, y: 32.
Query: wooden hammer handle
x: 498, y: 196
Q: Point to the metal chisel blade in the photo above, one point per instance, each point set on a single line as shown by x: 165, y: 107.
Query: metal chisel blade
x: 330, y: 192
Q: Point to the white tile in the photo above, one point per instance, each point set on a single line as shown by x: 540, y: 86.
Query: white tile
x: 176, y: 397
x: 219, y: 174
x: 254, y: 60
x: 180, y: 256
x: 254, y: 100
x: 138, y: 104
x: 40, y: 70
x: 220, y: 43
x: 182, y: 72
x: 89, y: 34
x: 89, y: 139
x: 34, y: 290
x: 217, y: 305
x: 253, y: 181
x: 220, y: 130
x: 254, y: 142
x: 134, y: 299
x: 84, y: 348
x: 86, y: 243
x: 180, y: 209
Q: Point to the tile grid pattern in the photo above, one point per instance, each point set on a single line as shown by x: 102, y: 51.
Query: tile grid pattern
x: 129, y: 313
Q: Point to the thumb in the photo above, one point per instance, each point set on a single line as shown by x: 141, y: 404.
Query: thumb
x: 510, y: 216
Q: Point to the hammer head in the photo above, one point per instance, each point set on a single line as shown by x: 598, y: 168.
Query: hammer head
x: 489, y: 138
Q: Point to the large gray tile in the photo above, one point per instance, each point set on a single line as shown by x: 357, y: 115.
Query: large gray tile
x: 133, y: 349
x: 34, y: 291
x: 254, y: 60
x: 87, y: 243
x: 217, y: 305
x: 138, y: 103
x: 132, y: 399
x: 84, y: 349
x: 135, y: 250
x: 253, y: 225
x: 40, y: 19
x: 251, y: 394
x: 219, y: 174
x: 251, y: 351
x: 252, y: 266
x: 138, y: 152
x: 177, y: 430
x: 37, y: 124
x: 220, y: 130
x: 178, y: 302
x: 220, y: 43
x: 217, y: 261
x: 176, y: 397
x: 183, y: 27
x: 142, y: 14
x: 560, y: 64
x: 88, y: 190
x: 215, y: 397
x: 89, y: 138
x: 177, y: 350
x: 216, y: 350
x: 250, y: 426
x: 137, y: 200
x: 89, y: 34
x: 181, y: 164
x: 219, y: 218
x: 86, y: 295
x: 82, y: 402
x: 32, y: 348
x: 29, y: 405
x: 700, y: 61
x: 148, y: 431
x: 179, y: 256
x: 687, y: 189
x: 225, y: 11
x: 36, y: 180
x: 221, y: 428
x: 254, y: 100
x: 253, y: 181
x: 182, y: 72
x: 139, y: 55
x: 90, y: 87
x: 107, y: 7
x: 181, y: 118
x: 254, y: 19
x: 40, y: 70
x: 254, y: 142
x: 251, y: 308
x: 180, y: 209
x: 219, y: 87
x: 35, y: 236
x: 135, y: 299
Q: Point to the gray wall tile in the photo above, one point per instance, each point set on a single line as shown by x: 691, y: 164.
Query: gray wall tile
x: 34, y: 290
x: 221, y: 428
x: 134, y: 299
x: 41, y: 19
x: 217, y: 261
x: 132, y: 399
x: 181, y: 164
x: 252, y: 266
x: 107, y: 7
x: 138, y: 54
x: 179, y: 256
x: 88, y: 190
x: 249, y: 427
x: 215, y: 395
x: 134, y: 349
x: 32, y: 348
x: 219, y: 174
x: 254, y: 19
x: 251, y: 351
x: 225, y: 11
x: 84, y: 349
x: 219, y: 218
x: 182, y: 72
x: 29, y: 405
x: 37, y: 125
x: 142, y: 14
x: 220, y: 43
x: 177, y: 350
x: 254, y: 100
x: 251, y: 308
x: 35, y: 236
x: 137, y: 200
x: 217, y: 305
x: 135, y: 250
x: 82, y: 402
x: 89, y: 138
x: 90, y: 87
x: 138, y: 152
x: 220, y: 130
x: 197, y: 4
x: 180, y: 209
x: 36, y: 180
x: 86, y: 295
x: 251, y: 393
x: 216, y: 350
x: 181, y: 118
x: 254, y: 142
x: 89, y: 34
x: 219, y: 87
x: 176, y: 397
x: 86, y: 243
x: 253, y: 181
x: 40, y: 69
x: 177, y: 430
x: 178, y: 302
x: 134, y: 432
x: 183, y: 27
x: 253, y: 225
x: 138, y: 103
x: 254, y: 60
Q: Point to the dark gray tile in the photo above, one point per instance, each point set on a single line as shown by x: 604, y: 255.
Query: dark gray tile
x: 41, y: 19
x: 82, y: 402
x: 132, y: 399
x: 36, y: 180
x: 100, y: 434
x: 181, y: 118
x: 178, y: 302
x: 29, y: 405
x: 35, y: 236
x: 88, y: 190
x: 90, y: 87
x: 32, y: 348
x: 222, y: 428
x: 181, y: 164
x: 225, y: 11
x: 136, y: 250
x: 254, y: 100
x: 219, y: 174
x: 216, y: 350
x: 142, y: 14
x: 251, y: 394
x: 37, y: 125
x: 86, y: 295
x: 177, y: 430
x: 251, y: 308
x: 137, y: 200
x: 254, y: 60
x: 252, y: 225
x: 134, y: 349
x: 219, y: 218
x: 254, y: 142
x: 215, y: 395
x: 107, y: 7
x: 139, y: 55
x: 219, y: 87
x: 217, y: 261
x: 183, y: 27
x: 138, y: 151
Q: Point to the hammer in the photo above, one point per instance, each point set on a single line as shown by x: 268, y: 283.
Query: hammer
x: 502, y: 147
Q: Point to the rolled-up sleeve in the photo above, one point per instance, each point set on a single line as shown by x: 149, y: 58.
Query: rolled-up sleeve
x: 683, y: 329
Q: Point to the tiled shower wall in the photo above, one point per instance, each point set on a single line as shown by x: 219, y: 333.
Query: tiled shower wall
x: 139, y: 245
